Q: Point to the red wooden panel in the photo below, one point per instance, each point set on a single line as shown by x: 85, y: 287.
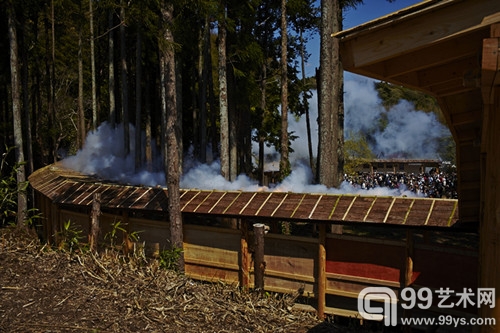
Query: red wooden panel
x: 438, y: 269
x: 362, y: 259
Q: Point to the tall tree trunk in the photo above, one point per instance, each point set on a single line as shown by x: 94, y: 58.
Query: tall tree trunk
x: 81, y: 111
x: 28, y: 141
x: 262, y: 134
x: 212, y: 102
x: 172, y: 133
x: 338, y: 95
x: 234, y: 128
x: 111, y: 70
x: 284, y: 161
x: 223, y: 99
x: 330, y: 97
x: 148, y: 152
x: 51, y: 71
x: 92, y: 66
x: 203, y: 75
x: 22, y: 203
x: 306, y: 104
x: 138, y: 101
x: 124, y: 79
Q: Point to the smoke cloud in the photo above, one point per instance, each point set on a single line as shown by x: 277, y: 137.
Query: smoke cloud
x: 411, y: 131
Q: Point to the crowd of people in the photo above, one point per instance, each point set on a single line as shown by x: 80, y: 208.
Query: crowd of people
x: 432, y: 184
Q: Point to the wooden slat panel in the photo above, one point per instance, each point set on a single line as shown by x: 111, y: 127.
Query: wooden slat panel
x: 159, y: 201
x: 360, y: 206
x: 209, y: 202
x: 240, y: 204
x: 124, y: 193
x: 272, y: 204
x: 342, y: 207
x: 253, y: 206
x: 442, y: 211
x: 398, y: 211
x: 420, y: 212
x: 225, y: 203
x: 379, y: 210
x: 141, y: 199
x: 288, y: 207
x: 325, y: 207
x: 196, y: 201
x: 304, y: 208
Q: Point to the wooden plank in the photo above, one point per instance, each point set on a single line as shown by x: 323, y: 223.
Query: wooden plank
x: 349, y: 208
x: 321, y: 271
x: 490, y: 68
x: 389, y: 210
x: 361, y: 280
x: 304, y: 208
x: 193, y: 196
x: 271, y: 204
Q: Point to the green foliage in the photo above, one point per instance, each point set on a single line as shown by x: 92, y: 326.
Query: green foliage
x: 169, y: 259
x: 391, y: 95
x: 356, y: 152
x: 117, y: 226
x: 9, y: 190
x: 70, y: 238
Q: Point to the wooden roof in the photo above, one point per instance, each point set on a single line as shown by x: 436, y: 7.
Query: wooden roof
x: 437, y: 47
x: 67, y: 187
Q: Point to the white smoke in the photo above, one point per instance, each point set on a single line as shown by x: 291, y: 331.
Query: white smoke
x: 103, y: 155
x: 408, y: 130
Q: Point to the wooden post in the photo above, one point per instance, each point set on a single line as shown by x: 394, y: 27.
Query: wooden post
x: 259, y: 263
x: 407, y: 272
x: 489, y: 227
x: 322, y: 270
x: 56, y: 226
x: 244, y: 273
x: 94, y: 221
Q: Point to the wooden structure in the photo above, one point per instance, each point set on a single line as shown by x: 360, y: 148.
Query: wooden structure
x: 331, y: 269
x: 65, y: 187
x: 399, y: 166
x: 449, y: 49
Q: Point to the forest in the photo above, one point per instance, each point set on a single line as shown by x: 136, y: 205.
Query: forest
x: 207, y: 76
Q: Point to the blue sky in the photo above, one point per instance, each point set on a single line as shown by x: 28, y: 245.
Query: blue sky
x: 370, y: 10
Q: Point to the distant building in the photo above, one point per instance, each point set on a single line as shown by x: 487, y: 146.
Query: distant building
x: 399, y: 166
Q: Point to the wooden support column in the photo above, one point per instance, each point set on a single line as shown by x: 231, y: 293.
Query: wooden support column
x: 244, y: 273
x: 54, y: 221
x: 406, y: 275
x: 489, y: 232
x: 258, y: 261
x: 321, y: 270
x: 94, y: 221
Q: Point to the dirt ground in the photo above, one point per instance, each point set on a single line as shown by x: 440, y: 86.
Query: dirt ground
x: 48, y: 290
